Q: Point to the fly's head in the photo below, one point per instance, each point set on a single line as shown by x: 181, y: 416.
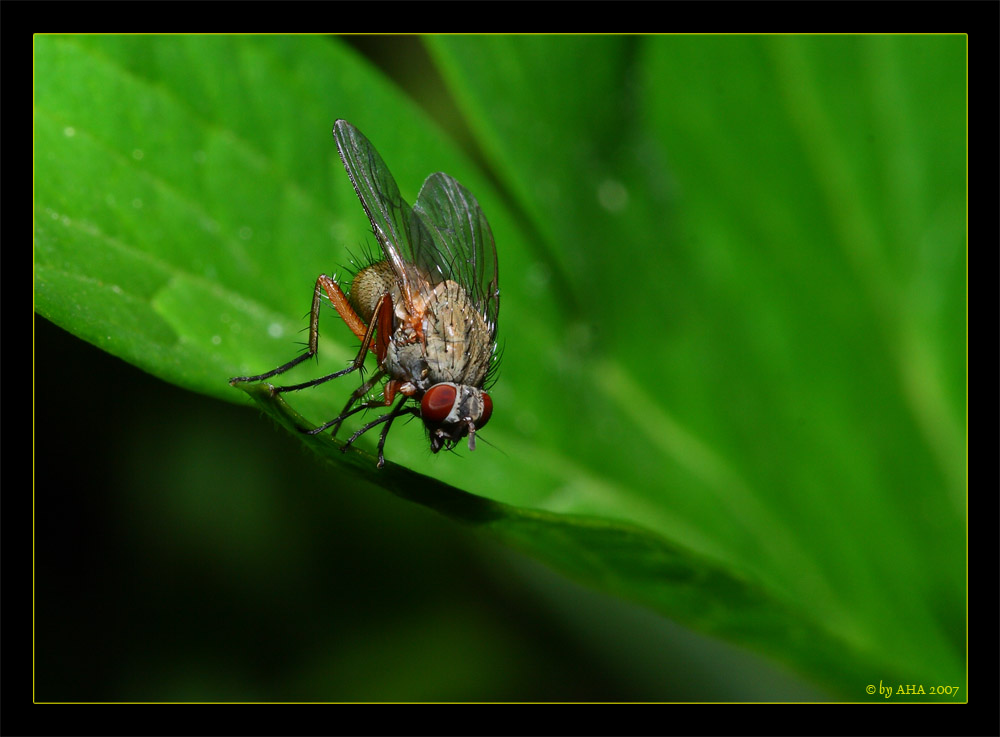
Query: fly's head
x: 452, y: 411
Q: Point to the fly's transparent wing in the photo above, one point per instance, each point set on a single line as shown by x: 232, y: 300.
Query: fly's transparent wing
x: 390, y: 216
x: 460, y: 245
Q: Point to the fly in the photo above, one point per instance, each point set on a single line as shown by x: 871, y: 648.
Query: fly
x: 428, y: 311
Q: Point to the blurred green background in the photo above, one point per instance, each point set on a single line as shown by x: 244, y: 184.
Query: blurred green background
x: 733, y: 315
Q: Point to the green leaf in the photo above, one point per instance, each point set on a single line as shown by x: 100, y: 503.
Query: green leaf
x: 733, y: 384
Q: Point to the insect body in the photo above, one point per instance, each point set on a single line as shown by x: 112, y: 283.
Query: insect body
x: 428, y: 311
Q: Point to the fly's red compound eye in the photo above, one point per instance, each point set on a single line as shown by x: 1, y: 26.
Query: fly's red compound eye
x: 437, y: 402
x: 487, y: 411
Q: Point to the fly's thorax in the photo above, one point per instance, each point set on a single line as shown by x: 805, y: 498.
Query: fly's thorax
x: 368, y: 287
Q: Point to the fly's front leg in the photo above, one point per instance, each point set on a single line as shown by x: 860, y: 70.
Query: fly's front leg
x: 396, y: 412
x: 347, y: 412
x: 387, y: 418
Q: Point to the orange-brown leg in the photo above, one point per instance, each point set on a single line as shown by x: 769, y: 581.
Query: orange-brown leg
x: 391, y: 387
x: 339, y: 301
x: 383, y: 316
x: 343, y: 307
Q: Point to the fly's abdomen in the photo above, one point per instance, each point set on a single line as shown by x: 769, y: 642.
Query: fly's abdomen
x: 368, y: 287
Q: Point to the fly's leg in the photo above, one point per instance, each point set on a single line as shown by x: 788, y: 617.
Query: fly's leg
x: 374, y: 336
x: 347, y: 411
x: 339, y: 301
x: 387, y: 418
x: 382, y: 321
x: 390, y: 394
x: 322, y: 282
x: 399, y: 410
